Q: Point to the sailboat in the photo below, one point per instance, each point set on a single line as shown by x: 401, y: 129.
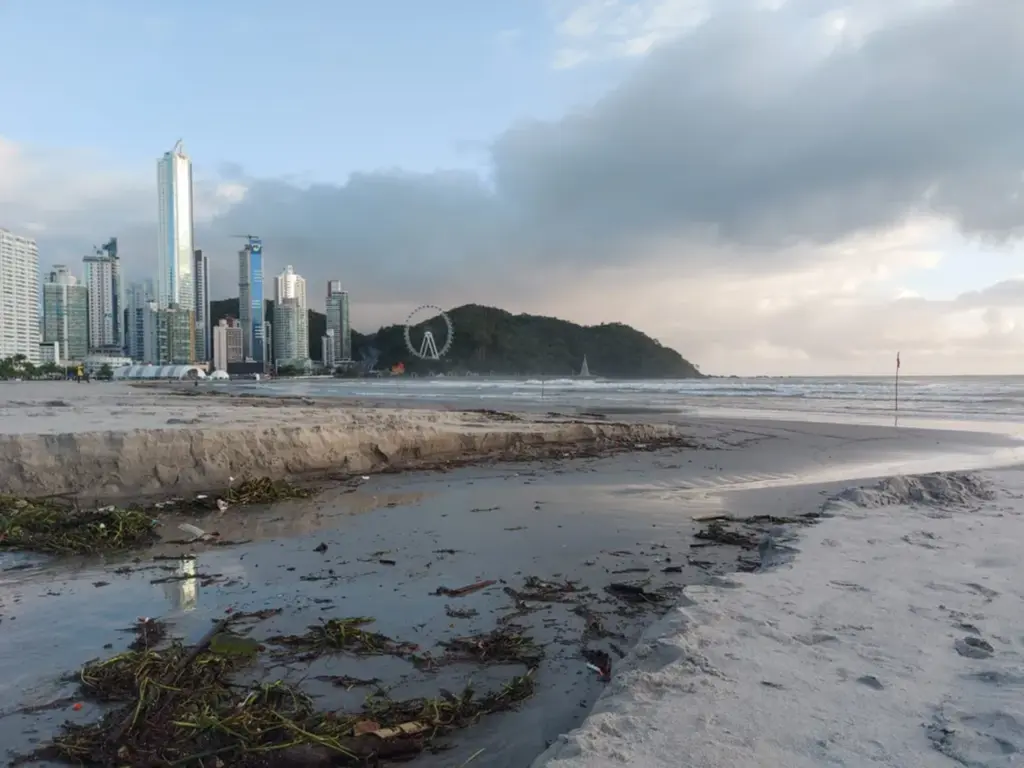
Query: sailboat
x: 585, y: 370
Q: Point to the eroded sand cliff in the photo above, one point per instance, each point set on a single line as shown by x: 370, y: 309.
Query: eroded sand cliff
x: 153, y: 442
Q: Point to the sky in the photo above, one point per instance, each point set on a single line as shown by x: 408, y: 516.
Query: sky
x: 784, y: 187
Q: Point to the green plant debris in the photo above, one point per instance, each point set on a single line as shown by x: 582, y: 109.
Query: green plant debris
x: 127, y: 675
x: 346, y: 634
x: 180, y: 707
x: 54, y: 526
x: 504, y: 645
x: 48, y: 527
x: 450, y: 711
x: 263, y: 490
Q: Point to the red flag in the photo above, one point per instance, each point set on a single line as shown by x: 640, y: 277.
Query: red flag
x: 897, y: 361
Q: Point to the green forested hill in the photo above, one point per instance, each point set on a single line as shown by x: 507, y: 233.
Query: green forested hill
x: 490, y: 340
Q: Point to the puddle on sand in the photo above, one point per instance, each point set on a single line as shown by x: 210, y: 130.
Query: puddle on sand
x: 57, y: 616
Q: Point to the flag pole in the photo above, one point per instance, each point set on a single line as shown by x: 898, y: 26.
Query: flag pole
x: 896, y: 404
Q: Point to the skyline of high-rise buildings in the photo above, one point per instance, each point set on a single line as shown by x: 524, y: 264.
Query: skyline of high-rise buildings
x: 163, y: 319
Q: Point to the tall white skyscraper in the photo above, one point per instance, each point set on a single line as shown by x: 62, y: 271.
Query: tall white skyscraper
x: 291, y: 324
x: 19, y: 296
x: 175, y: 252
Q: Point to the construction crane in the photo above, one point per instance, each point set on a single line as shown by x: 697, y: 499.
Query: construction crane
x: 255, y: 243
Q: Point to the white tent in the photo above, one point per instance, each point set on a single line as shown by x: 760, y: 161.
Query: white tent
x: 160, y: 372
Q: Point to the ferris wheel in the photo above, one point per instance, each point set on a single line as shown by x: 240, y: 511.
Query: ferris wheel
x: 427, y: 348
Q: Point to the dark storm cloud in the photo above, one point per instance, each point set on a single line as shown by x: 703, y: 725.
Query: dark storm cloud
x: 746, y: 129
x: 730, y: 127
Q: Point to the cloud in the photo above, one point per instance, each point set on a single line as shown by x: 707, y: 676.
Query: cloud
x: 758, y: 190
x: 597, y: 29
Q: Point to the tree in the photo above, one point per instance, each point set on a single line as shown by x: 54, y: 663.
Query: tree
x: 105, y: 373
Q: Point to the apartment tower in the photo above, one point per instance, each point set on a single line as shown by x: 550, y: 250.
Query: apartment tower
x: 291, y: 326
x: 103, y: 281
x: 227, y: 343
x: 141, y: 304
x: 66, y: 314
x: 19, y: 296
x: 201, y: 271
x: 337, y: 321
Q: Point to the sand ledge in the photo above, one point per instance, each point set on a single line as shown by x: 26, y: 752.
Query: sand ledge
x: 112, y: 464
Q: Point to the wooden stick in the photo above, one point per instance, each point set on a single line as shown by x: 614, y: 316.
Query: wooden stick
x: 896, y: 408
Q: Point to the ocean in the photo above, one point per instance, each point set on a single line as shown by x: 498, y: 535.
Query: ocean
x: 986, y: 403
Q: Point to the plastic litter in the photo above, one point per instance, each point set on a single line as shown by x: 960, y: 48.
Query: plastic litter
x: 194, y: 531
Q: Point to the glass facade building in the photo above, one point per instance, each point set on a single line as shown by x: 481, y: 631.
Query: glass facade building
x: 250, y: 301
x: 176, y: 284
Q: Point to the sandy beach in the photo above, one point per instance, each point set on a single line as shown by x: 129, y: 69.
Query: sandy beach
x: 750, y: 641
x: 892, y: 638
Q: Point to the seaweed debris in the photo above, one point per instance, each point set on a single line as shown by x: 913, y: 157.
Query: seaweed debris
x: 717, y: 532
x: 504, y: 645
x: 450, y: 711
x: 541, y: 591
x: 634, y: 593
x: 134, y: 673
x: 263, y: 490
x: 50, y: 527
x: 346, y: 634
x: 247, y: 492
x: 181, y: 707
x: 55, y: 526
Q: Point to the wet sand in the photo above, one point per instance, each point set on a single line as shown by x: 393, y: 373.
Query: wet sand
x: 582, y: 520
